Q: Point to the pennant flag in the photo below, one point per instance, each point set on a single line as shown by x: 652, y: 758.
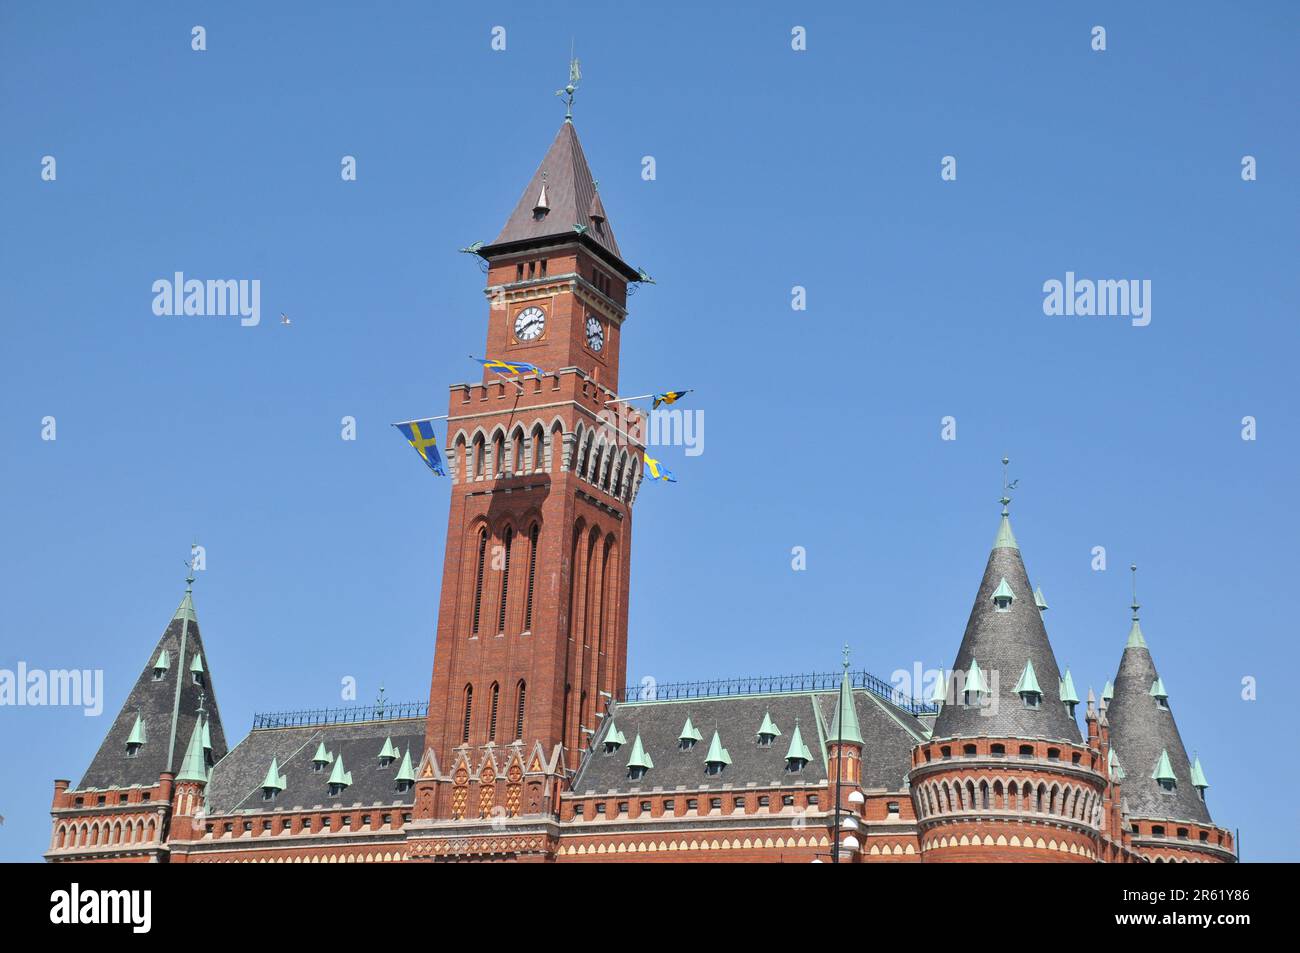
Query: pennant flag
x: 426, y: 446
x: 670, y: 397
x: 657, y: 472
x: 510, y: 368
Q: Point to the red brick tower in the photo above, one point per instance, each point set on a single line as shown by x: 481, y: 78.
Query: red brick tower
x: 532, y: 625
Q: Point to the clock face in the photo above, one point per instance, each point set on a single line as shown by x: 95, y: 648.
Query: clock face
x: 529, y: 324
x: 595, y: 334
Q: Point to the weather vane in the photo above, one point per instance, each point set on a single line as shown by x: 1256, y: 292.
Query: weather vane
x: 575, y: 74
x: 1006, y: 487
x: 1134, y: 569
x: 846, y: 656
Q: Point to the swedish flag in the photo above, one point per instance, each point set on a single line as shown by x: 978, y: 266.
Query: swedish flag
x: 426, y: 446
x: 510, y: 368
x: 656, y: 472
x: 669, y: 397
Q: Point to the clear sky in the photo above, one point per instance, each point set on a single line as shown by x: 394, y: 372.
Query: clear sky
x: 775, y: 168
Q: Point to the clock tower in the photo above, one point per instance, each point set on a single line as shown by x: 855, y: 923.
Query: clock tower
x: 532, y: 623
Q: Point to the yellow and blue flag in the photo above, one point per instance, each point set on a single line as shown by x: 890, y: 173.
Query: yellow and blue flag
x: 669, y: 397
x: 419, y: 434
x: 510, y: 368
x: 656, y: 472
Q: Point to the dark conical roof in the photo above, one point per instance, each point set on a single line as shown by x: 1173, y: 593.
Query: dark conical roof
x: 1140, y: 731
x: 165, y: 709
x: 570, y: 196
x: 1002, y: 642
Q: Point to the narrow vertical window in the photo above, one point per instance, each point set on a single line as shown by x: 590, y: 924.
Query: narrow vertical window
x: 492, y: 716
x: 478, y: 578
x: 505, y: 580
x: 519, y: 711
x: 469, y: 711
x: 532, y: 576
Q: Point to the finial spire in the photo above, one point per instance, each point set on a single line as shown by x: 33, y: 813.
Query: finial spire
x: 189, y: 577
x: 846, y: 656
x: 202, y: 698
x: 1134, y: 569
x: 575, y: 74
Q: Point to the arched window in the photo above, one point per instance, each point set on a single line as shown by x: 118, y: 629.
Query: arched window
x: 478, y: 578
x: 594, y: 475
x: 469, y: 712
x: 505, y: 580
x: 521, y: 694
x: 517, y: 451
x: 584, y: 455
x: 478, y: 456
x: 539, y: 449
x: 498, y: 452
x: 557, y: 447
x: 532, y: 576
x: 492, y: 712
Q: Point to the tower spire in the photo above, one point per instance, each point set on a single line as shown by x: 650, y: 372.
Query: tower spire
x: 1135, y: 606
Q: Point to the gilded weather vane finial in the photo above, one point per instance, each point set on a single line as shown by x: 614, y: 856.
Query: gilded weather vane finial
x: 575, y: 74
x: 846, y: 656
x: 191, y: 563
x: 1134, y: 569
x: 1006, y: 487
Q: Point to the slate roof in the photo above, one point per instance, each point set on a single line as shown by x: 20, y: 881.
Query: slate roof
x: 1002, y: 642
x: 236, y: 783
x: 1139, y: 731
x: 168, y: 718
x: 571, y: 196
x: 890, y: 734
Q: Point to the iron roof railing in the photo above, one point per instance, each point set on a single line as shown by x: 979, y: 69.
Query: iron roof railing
x: 650, y: 690
x: 386, y: 711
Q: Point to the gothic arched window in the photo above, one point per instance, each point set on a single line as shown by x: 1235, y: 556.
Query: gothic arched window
x: 469, y: 712
x: 478, y: 579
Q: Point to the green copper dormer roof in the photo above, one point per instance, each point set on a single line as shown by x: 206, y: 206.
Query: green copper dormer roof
x: 1108, y: 692
x: 1039, y: 600
x: 940, y: 693
x: 404, y: 771
x: 845, y: 726
x: 163, y: 662
x: 274, y: 779
x: 1135, y: 639
x: 1164, y: 771
x: 388, y: 751
x: 975, y: 679
x: 136, y: 737
x: 767, y: 727
x: 1158, y: 688
x: 338, y: 775
x: 197, y: 664
x: 185, y: 611
x: 322, y: 756
x: 1003, y: 593
x: 1028, y: 684
x: 1198, y: 776
x: 207, y: 736
x: 798, y: 750
x: 1116, y: 769
x: 193, y: 767
x: 717, y: 754
x: 614, y: 736
x: 690, y: 732
x: 1068, y: 694
x: 1005, y: 538
x: 639, y: 758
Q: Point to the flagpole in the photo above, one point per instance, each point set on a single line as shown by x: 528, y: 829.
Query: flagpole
x: 626, y: 400
x: 513, y: 380
x: 419, y: 420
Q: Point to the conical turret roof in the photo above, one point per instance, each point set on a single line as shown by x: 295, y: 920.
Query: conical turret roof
x: 1148, y: 741
x: 1004, y: 641
x: 165, y: 709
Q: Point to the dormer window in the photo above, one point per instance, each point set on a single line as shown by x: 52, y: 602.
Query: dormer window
x: 405, y: 779
x: 136, y: 739
x: 161, y: 665
x: 689, y: 737
x: 639, y: 761
x: 196, y: 669
x: 387, y: 754
x: 339, y: 778
x: 321, y: 759
x: 1027, y: 688
x: 1003, y: 597
x: 613, y: 739
x: 975, y: 688
x: 798, y: 755
x: 274, y: 781
x: 718, y: 758
x: 1163, y: 773
x: 1159, y: 694
x: 767, y: 731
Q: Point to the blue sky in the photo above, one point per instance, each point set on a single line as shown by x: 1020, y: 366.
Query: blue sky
x: 822, y: 427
